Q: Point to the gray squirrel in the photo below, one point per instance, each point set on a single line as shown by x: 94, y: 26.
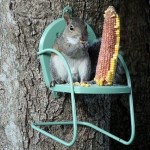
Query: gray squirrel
x: 73, y: 43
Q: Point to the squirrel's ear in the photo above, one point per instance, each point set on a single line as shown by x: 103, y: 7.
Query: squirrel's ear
x: 82, y: 16
x: 67, y: 17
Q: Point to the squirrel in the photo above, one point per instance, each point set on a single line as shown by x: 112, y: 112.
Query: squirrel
x: 73, y: 43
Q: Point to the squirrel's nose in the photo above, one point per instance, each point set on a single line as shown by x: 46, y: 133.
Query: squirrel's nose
x: 82, y: 41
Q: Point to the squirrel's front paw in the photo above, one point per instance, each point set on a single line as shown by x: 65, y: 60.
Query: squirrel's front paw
x: 84, y: 44
x: 84, y: 84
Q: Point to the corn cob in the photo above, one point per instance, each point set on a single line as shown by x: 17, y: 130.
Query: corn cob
x: 107, y: 60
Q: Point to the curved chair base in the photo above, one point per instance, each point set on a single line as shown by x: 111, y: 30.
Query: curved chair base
x: 36, y: 126
x: 82, y: 123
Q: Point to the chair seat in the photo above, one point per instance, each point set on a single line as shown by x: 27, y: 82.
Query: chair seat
x: 93, y: 89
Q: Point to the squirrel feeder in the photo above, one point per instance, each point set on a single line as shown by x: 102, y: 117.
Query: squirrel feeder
x: 45, y: 49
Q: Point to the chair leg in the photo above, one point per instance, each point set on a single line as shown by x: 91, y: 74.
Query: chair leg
x: 36, y: 126
x: 132, y: 121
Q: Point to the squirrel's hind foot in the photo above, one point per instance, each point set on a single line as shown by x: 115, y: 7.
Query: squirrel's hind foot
x: 54, y: 82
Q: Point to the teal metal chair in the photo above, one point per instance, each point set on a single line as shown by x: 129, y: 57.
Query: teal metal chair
x: 45, y: 49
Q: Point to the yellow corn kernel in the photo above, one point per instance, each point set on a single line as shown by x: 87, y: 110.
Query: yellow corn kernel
x: 116, y: 46
x: 97, y: 81
x: 87, y: 85
x: 76, y: 83
x: 109, y: 76
x: 100, y: 82
x: 82, y: 83
x: 109, y: 83
x: 115, y: 57
x: 116, y: 26
x: 112, y: 67
x: 117, y: 42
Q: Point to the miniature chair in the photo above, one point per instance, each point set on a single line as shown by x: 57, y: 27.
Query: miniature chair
x: 45, y: 49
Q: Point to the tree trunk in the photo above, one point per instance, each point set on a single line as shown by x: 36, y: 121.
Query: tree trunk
x: 23, y: 96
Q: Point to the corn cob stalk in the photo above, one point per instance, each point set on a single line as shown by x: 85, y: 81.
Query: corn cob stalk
x: 107, y: 61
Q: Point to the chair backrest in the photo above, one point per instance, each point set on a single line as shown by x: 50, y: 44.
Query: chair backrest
x: 47, y: 41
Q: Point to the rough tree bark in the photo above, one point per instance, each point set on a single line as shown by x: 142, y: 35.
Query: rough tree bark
x: 23, y: 95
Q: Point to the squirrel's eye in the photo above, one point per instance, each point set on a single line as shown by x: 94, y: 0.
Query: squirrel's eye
x: 71, y: 27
